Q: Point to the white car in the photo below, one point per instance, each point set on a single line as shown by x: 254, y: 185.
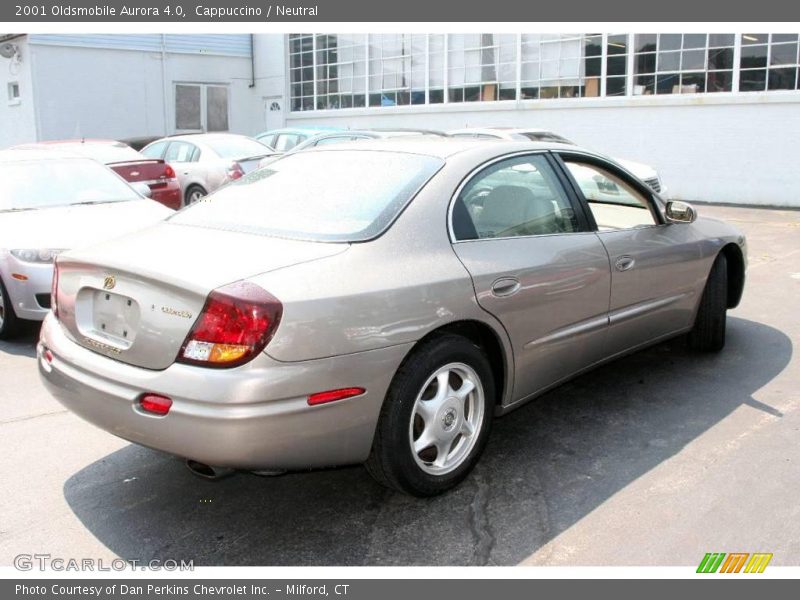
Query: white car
x: 207, y: 161
x: 53, y: 201
x: 643, y: 172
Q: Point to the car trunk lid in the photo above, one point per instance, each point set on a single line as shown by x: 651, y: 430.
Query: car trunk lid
x: 135, y: 299
x: 155, y: 173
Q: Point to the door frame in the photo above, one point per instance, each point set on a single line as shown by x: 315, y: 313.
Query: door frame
x: 584, y: 223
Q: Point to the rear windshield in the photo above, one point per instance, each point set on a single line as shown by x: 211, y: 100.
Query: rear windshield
x: 336, y: 196
x: 32, y: 184
x: 237, y: 147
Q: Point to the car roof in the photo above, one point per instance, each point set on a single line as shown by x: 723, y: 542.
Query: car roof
x: 310, y: 130
x: 506, y: 130
x: 201, y: 137
x: 105, y: 151
x: 441, y: 147
x: 37, y: 154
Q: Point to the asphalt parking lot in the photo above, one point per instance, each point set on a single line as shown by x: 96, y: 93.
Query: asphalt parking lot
x: 653, y: 460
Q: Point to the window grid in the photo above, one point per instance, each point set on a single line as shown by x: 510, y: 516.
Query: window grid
x: 333, y: 71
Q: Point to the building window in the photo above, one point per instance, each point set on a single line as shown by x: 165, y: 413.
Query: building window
x: 682, y: 63
x: 397, y: 69
x: 379, y: 70
x: 560, y: 65
x: 13, y: 92
x: 201, y: 107
x: 482, y: 67
x: 616, y: 65
x: 768, y: 62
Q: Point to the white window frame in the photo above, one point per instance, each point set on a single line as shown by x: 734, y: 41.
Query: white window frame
x: 203, y: 105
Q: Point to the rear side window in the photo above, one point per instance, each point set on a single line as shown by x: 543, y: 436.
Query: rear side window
x: 155, y: 150
x: 181, y: 152
x: 520, y: 196
x: 335, y: 196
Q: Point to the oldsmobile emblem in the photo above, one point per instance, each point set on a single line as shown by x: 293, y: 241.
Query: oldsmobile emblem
x: 109, y: 282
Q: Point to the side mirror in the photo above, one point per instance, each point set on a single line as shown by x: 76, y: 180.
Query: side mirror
x: 142, y: 189
x: 680, y: 212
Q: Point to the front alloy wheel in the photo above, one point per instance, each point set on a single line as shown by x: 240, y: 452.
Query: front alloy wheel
x: 436, y: 417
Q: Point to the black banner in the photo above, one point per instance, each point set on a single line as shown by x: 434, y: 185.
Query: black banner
x: 299, y: 11
x: 372, y: 589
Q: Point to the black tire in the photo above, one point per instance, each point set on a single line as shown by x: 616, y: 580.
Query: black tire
x: 708, y: 333
x: 9, y: 322
x: 193, y: 194
x: 392, y: 461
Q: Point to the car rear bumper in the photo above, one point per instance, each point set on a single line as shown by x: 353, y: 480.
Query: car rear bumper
x: 30, y: 298
x: 252, y: 417
x: 169, y: 195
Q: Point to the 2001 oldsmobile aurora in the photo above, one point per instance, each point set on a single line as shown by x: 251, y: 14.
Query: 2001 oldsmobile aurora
x: 379, y: 302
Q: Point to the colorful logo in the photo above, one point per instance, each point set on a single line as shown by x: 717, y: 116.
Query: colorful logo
x: 734, y: 562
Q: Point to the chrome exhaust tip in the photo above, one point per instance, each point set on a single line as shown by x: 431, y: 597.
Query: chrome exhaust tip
x: 207, y: 471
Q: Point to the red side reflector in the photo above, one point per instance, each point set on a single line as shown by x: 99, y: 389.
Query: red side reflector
x: 153, y: 403
x: 48, y: 356
x: 333, y: 395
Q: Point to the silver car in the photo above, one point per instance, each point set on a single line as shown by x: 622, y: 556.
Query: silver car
x: 207, y: 161
x: 644, y: 172
x: 51, y: 201
x: 379, y: 302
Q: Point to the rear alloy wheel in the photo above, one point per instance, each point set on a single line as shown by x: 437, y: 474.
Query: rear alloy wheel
x: 9, y: 322
x: 436, y: 418
x: 708, y: 333
x: 194, y: 193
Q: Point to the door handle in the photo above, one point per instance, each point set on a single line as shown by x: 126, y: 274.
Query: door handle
x: 506, y: 286
x: 623, y: 263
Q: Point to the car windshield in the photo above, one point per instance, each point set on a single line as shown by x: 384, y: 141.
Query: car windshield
x: 237, y: 147
x: 32, y: 184
x: 544, y: 136
x: 339, y: 196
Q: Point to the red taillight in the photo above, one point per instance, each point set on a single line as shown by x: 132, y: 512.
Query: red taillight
x: 153, y: 403
x: 169, y: 172
x: 333, y: 395
x: 237, y: 322
x: 54, y: 290
x: 235, y: 171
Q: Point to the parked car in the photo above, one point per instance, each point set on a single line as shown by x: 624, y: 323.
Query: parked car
x: 283, y: 140
x: 379, y: 302
x: 644, y: 172
x: 339, y: 137
x: 53, y: 201
x: 206, y: 161
x: 128, y: 163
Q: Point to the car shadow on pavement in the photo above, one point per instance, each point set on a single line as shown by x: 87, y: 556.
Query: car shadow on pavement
x: 547, y: 465
x: 23, y: 344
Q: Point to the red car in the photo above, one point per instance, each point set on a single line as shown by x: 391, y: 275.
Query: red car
x: 128, y: 164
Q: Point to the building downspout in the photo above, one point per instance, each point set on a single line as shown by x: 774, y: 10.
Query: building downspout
x: 252, y: 62
x: 164, y: 82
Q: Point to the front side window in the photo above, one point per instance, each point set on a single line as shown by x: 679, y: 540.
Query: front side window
x: 519, y: 196
x: 286, y: 141
x: 614, y: 203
